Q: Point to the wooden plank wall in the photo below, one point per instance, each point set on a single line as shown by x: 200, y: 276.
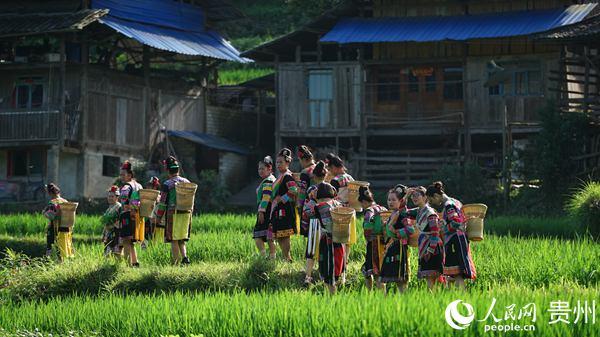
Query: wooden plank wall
x: 292, y: 94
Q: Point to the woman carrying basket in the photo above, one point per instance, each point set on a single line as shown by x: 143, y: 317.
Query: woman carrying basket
x: 340, y: 182
x: 372, y: 226
x: 431, y: 247
x: 262, y: 232
x: 283, y: 212
x: 458, y: 263
x: 178, y: 222
x: 130, y: 219
x: 332, y: 260
x: 306, y: 180
x: 313, y: 229
x: 395, y: 267
x: 56, y: 232
x: 110, y: 220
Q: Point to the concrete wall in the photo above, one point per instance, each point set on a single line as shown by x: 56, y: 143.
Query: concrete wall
x: 232, y: 170
x: 67, y: 177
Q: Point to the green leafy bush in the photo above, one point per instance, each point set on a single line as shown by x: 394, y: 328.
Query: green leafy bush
x: 212, y: 193
x: 584, y: 207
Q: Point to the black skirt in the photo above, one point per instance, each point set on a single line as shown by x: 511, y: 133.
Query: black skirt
x: 284, y: 220
x: 458, y: 260
x: 331, y: 259
x: 394, y: 267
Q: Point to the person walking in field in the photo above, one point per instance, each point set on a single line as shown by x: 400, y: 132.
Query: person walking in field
x: 313, y: 229
x: 340, y: 181
x: 262, y: 232
x: 178, y: 223
x: 331, y: 254
x: 111, y: 237
x: 284, y: 212
x: 130, y: 219
x: 373, y: 232
x: 431, y: 246
x: 56, y: 232
x: 458, y: 263
x: 395, y: 267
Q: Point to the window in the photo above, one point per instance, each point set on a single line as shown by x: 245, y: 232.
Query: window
x: 22, y: 163
x: 110, y: 166
x: 320, y: 97
x: 413, y: 82
x: 524, y: 81
x: 388, y: 87
x: 29, y: 93
x: 453, y: 83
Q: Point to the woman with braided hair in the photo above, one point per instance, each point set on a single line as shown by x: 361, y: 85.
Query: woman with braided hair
x: 307, y: 162
x: 283, y: 212
x: 130, y: 215
x: 110, y: 220
x: 167, y: 207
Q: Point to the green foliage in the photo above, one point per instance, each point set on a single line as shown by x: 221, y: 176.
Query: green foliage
x: 240, y: 75
x: 212, y: 193
x: 562, y: 136
x: 466, y: 183
x: 584, y: 206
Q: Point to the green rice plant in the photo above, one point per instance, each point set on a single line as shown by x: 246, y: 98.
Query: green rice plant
x: 584, y: 207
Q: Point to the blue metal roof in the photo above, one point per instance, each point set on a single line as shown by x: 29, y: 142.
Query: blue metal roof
x: 168, y: 25
x: 210, y: 141
x: 458, y: 28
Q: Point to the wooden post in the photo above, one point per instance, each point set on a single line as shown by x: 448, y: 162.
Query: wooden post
x: 363, y: 124
x: 278, y: 140
x: 84, y: 117
x: 258, y: 113
x: 298, y: 54
x: 586, y: 85
x: 466, y: 114
x: 505, y: 156
x: 146, y: 94
x: 63, y: 86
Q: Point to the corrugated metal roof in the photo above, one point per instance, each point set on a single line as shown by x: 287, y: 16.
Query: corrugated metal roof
x: 580, y: 31
x: 168, y: 25
x: 210, y: 141
x: 38, y: 23
x: 458, y: 28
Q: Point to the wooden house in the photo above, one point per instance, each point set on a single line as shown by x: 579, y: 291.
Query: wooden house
x: 87, y: 84
x: 403, y: 87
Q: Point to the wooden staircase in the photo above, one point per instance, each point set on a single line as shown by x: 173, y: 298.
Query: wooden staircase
x: 386, y: 168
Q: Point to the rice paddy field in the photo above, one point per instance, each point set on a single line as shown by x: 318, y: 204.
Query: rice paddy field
x: 523, y: 264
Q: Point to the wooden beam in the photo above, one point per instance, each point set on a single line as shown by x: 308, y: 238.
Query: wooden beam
x: 298, y: 54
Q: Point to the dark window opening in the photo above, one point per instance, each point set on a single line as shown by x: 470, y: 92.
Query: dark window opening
x: 413, y: 82
x: 453, y: 83
x: 388, y: 88
x: 430, y: 82
x: 110, y: 166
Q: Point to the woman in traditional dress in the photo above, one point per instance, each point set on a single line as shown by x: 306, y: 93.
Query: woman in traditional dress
x: 283, y: 210
x: 431, y: 247
x: 458, y: 263
x: 262, y: 232
x: 331, y: 255
x: 313, y: 229
x: 178, y: 222
x: 56, y: 233
x: 110, y: 220
x: 340, y: 182
x: 373, y: 231
x: 130, y: 216
x: 395, y: 267
x: 151, y: 233
x: 307, y: 162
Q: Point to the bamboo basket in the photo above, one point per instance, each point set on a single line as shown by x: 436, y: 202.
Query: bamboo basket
x: 67, y: 214
x: 185, y: 193
x: 147, y: 201
x: 353, y: 188
x: 342, y: 218
x: 475, y: 214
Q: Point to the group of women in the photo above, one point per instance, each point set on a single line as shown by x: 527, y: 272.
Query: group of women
x: 302, y: 204
x: 123, y: 224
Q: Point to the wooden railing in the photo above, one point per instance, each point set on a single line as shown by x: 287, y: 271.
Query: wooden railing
x: 29, y: 125
x: 443, y: 119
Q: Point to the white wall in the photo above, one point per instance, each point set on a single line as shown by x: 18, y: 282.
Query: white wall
x: 67, y: 176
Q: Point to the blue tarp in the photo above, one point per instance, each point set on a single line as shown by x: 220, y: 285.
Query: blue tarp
x: 167, y: 25
x: 457, y: 28
x: 210, y: 141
